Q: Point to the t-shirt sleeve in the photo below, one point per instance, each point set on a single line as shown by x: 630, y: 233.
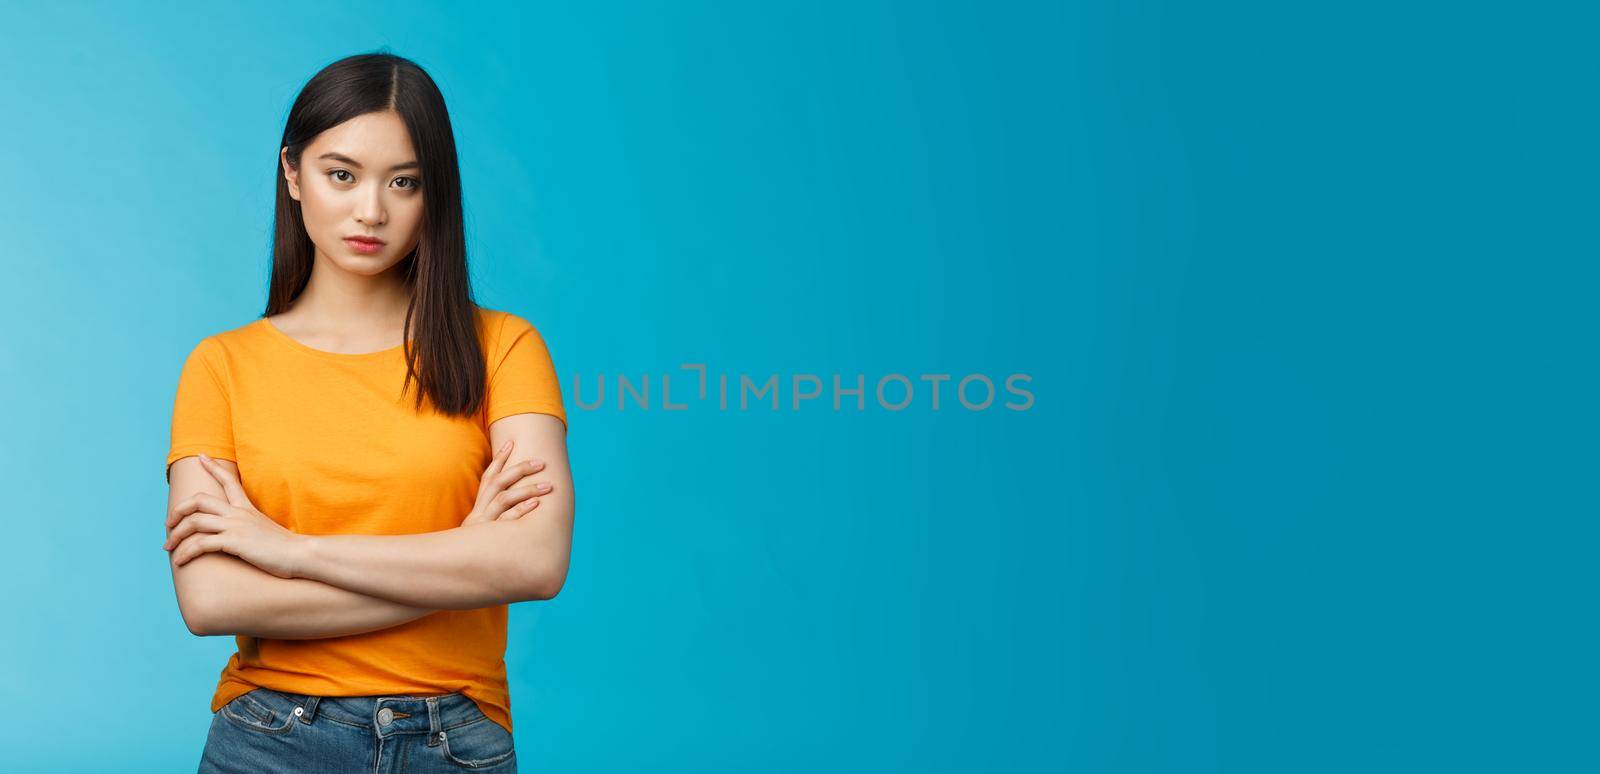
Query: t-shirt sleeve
x: 201, y: 418
x: 522, y: 378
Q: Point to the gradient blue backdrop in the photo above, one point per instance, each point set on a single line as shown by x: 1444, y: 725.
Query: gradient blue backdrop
x: 1306, y: 297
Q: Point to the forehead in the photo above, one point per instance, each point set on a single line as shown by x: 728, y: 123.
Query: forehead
x: 374, y: 139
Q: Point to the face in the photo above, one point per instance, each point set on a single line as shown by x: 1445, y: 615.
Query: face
x: 360, y: 179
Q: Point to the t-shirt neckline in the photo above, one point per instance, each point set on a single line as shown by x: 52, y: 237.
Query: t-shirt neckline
x: 322, y: 353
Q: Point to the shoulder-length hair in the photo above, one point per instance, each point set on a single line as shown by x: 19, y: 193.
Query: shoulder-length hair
x: 443, y: 355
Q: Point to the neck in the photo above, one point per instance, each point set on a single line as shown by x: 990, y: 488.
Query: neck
x: 343, y: 300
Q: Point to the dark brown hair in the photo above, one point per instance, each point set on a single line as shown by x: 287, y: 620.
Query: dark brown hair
x: 443, y: 356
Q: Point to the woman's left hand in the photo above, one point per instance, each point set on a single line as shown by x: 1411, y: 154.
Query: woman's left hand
x: 204, y: 523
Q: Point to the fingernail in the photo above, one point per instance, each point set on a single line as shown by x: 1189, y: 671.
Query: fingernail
x: 205, y: 458
x: 544, y: 487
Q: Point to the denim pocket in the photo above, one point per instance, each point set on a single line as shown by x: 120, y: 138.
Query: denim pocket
x: 260, y: 711
x: 477, y: 744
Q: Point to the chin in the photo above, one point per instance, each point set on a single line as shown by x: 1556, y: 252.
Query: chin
x: 369, y: 265
x: 372, y: 267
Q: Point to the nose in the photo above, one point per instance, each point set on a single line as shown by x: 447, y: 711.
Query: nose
x: 370, y: 211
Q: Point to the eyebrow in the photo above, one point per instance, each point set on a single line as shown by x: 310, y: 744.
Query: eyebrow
x: 352, y: 162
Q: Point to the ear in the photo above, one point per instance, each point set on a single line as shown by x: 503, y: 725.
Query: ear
x: 290, y: 174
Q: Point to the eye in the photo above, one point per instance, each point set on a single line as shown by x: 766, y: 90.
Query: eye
x: 414, y: 182
x: 336, y: 172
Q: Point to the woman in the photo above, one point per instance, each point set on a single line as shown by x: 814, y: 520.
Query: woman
x: 354, y: 476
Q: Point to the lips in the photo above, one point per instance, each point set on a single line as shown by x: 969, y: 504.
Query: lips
x: 368, y: 245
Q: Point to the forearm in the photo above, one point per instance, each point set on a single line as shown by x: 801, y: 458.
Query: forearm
x: 246, y: 600
x: 472, y: 566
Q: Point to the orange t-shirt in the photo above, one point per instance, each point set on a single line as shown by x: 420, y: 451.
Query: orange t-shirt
x: 327, y: 444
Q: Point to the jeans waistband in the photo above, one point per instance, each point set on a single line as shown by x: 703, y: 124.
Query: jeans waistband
x: 385, y: 715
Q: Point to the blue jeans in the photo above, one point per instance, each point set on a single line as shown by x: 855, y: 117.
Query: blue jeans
x: 267, y: 731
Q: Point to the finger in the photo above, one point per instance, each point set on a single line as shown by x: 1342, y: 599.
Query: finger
x: 517, y: 472
x: 210, y: 503
x: 500, y: 457
x: 230, y: 483
x: 196, y: 545
x: 195, y: 522
x: 527, y: 479
x: 512, y: 497
x: 176, y: 512
x: 496, y: 465
x: 544, y: 487
x: 200, y: 501
x: 520, y: 509
x: 184, y: 507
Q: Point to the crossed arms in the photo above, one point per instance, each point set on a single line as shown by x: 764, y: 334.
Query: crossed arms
x: 351, y: 584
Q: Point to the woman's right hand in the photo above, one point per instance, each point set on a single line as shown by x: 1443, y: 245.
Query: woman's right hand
x: 498, y: 499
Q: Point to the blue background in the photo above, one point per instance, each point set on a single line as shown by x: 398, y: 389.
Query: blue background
x: 1306, y: 296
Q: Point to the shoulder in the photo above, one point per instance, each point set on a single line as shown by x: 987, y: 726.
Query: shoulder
x: 218, y: 350
x: 505, y: 328
x: 233, y: 338
x: 490, y: 320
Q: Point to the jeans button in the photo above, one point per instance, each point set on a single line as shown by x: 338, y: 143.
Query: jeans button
x: 385, y: 716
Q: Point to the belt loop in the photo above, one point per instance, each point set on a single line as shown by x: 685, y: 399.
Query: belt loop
x: 433, y: 721
x: 310, y: 708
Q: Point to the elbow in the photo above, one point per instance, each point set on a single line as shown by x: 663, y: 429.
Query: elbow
x: 194, y: 592
x: 554, y: 586
x: 542, y: 559
x: 197, y: 617
x: 206, y: 612
x: 546, y: 584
